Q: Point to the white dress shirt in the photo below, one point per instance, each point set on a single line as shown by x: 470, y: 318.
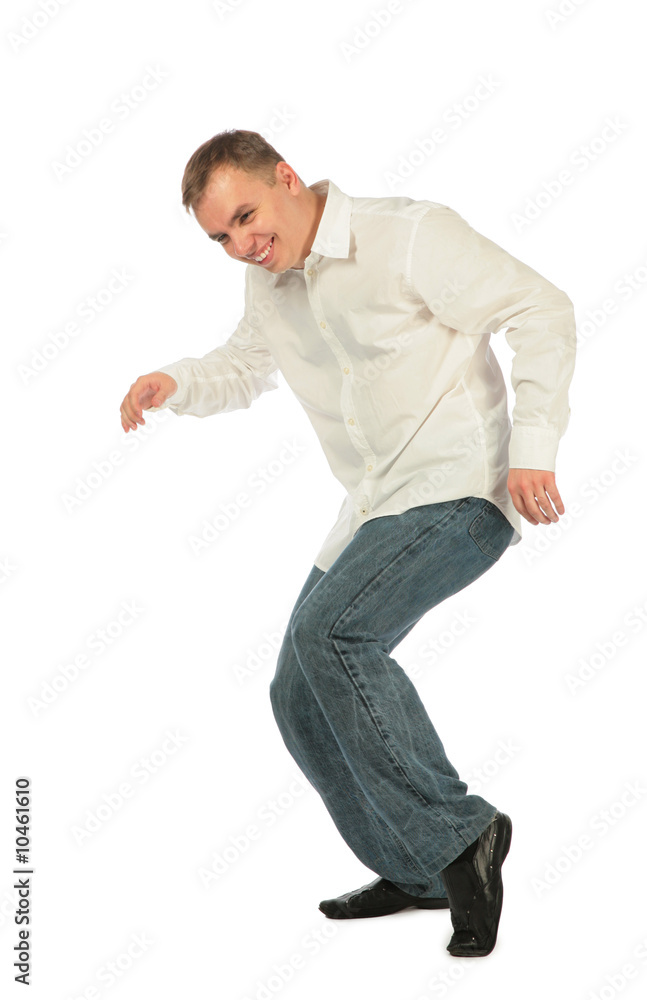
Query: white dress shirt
x: 384, y: 338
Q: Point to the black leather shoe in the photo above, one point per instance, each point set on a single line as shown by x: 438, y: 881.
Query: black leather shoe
x: 475, y: 891
x: 376, y: 900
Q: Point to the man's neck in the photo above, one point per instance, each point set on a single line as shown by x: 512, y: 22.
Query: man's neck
x: 318, y: 203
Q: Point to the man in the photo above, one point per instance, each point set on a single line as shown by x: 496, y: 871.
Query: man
x: 378, y: 312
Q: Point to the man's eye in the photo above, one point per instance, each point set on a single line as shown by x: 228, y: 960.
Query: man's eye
x: 243, y: 216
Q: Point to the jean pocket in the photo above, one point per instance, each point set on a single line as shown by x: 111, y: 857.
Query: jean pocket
x: 491, y: 531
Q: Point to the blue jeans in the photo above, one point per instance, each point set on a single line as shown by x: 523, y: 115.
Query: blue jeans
x: 349, y: 714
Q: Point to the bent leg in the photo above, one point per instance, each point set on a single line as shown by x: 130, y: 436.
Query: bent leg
x: 357, y: 726
x: 314, y: 747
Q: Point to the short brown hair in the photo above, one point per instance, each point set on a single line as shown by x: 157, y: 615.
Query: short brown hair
x: 237, y: 148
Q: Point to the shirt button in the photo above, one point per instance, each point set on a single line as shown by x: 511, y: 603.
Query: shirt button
x: 363, y: 510
x: 310, y: 271
x: 351, y: 421
x: 322, y: 324
x: 346, y: 371
x: 369, y: 468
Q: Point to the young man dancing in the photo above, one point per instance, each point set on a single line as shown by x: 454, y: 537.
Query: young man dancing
x: 378, y: 312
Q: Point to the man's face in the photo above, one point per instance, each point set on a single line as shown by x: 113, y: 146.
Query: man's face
x: 246, y: 216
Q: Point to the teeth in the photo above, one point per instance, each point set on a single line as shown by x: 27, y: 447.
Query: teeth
x: 264, y: 255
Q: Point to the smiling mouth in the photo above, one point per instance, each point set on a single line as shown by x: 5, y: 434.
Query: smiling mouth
x: 268, y: 250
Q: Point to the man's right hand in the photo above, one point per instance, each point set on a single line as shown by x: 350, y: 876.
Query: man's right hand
x: 147, y: 392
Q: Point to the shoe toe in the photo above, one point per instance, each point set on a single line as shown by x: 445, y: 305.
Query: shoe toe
x: 469, y: 948
x: 462, y: 939
x: 331, y: 908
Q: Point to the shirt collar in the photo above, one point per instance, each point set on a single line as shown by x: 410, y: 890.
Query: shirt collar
x: 333, y: 233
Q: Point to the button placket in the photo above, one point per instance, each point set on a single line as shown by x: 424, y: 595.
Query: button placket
x: 347, y: 405
x: 349, y: 413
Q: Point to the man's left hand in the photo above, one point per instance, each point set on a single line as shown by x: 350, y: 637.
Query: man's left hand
x: 532, y: 491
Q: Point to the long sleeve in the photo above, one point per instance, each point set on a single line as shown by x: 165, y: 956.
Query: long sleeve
x: 474, y: 286
x: 228, y: 378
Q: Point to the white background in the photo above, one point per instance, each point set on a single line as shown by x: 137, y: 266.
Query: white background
x: 343, y: 98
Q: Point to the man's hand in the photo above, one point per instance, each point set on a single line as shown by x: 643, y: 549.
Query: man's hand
x: 148, y: 391
x: 532, y: 491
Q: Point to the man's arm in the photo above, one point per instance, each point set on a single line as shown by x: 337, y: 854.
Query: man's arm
x: 228, y: 378
x: 472, y: 285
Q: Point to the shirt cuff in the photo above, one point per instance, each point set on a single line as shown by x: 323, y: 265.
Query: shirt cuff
x: 533, y: 448
x: 178, y: 397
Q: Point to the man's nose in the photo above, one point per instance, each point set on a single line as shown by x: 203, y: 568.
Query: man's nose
x: 242, y: 247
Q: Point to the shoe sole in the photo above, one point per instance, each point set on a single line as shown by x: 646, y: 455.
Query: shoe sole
x: 432, y: 904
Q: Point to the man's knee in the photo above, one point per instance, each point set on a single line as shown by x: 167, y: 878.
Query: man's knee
x: 306, y: 632
x: 286, y: 676
x: 279, y: 697
x: 275, y: 693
